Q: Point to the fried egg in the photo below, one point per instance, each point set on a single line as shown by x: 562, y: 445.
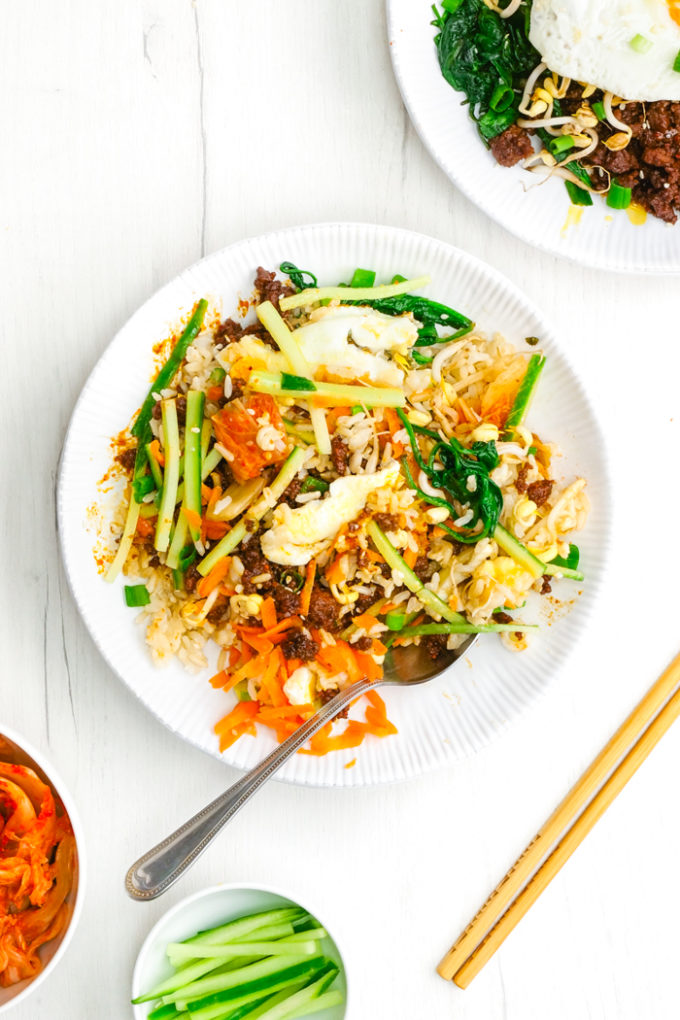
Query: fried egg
x: 627, y: 47
x: 345, y: 342
x: 302, y: 532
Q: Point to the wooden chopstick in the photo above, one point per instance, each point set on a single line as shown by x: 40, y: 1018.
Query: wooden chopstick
x: 580, y: 809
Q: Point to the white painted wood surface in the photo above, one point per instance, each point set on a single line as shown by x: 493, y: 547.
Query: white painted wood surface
x: 137, y: 136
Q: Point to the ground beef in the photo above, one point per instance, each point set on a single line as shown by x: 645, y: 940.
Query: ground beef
x: 181, y: 405
x: 287, y: 602
x: 328, y: 695
x: 191, y: 577
x: 539, y: 492
x: 385, y: 570
x: 363, y: 644
x: 546, y: 586
x: 291, y: 492
x: 268, y: 288
x: 127, y: 458
x: 323, y: 610
x: 339, y: 455
x: 229, y: 331
x: 254, y: 563
x: 366, y: 600
x: 521, y: 480
x: 299, y: 646
x: 424, y: 568
x: 650, y: 164
x: 511, y: 146
x: 218, y: 613
x: 502, y: 618
x: 386, y: 522
x: 225, y: 473
x: 156, y: 411
x: 435, y: 645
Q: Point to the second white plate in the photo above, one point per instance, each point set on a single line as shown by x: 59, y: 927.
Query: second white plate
x: 539, y: 216
x: 460, y: 711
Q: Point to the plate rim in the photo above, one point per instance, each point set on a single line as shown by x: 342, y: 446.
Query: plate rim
x: 583, y: 260
x: 510, y: 288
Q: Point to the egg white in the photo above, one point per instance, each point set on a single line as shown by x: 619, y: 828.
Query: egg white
x: 590, y: 41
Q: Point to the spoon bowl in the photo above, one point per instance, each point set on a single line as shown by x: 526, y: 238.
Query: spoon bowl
x: 160, y: 867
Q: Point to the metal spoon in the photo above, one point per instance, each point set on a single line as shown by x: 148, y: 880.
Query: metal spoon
x: 160, y: 867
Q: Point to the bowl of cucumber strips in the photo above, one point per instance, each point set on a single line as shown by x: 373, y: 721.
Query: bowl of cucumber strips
x: 235, y: 952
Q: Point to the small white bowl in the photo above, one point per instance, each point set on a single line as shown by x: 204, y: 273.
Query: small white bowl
x: 207, y: 909
x: 52, y: 952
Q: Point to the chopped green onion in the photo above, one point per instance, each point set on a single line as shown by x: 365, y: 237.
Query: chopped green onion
x: 312, y: 484
x: 178, y: 579
x: 577, y: 195
x: 599, y: 110
x: 356, y: 409
x: 397, y: 278
x: 676, y: 63
x: 641, y: 44
x: 296, y: 382
x: 363, y: 278
x: 618, y: 197
x: 532, y: 451
x: 397, y: 620
x: 561, y: 144
x: 217, y: 375
x: 136, y: 595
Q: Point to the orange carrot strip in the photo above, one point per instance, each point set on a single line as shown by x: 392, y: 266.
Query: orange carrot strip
x: 215, y: 577
x: 260, y: 644
x: 193, y: 519
x: 366, y: 620
x: 268, y: 613
x: 410, y: 558
x: 214, y: 529
x: 306, y: 593
x: 155, y: 448
x: 242, y: 712
x: 394, y: 424
x: 290, y: 621
x: 335, y: 573
x: 368, y: 666
x: 378, y: 648
x: 146, y: 526
x: 214, y: 393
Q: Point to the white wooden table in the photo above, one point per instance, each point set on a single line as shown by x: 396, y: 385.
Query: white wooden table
x: 136, y: 137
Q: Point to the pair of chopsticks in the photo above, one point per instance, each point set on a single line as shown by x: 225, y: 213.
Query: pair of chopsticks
x: 566, y: 828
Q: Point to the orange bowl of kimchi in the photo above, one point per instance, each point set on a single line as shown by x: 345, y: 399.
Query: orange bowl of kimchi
x: 41, y: 868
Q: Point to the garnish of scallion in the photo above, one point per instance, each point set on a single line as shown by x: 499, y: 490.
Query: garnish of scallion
x: 136, y: 595
x: 641, y: 44
x: 618, y: 197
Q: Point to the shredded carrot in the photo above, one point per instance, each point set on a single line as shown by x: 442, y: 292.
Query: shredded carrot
x: 410, y: 557
x: 214, y: 497
x: 290, y: 621
x: 378, y: 648
x: 335, y: 573
x: 215, y: 577
x: 214, y: 529
x: 261, y: 644
x: 394, y: 424
x: 156, y: 453
x: 350, y: 764
x: 306, y: 593
x: 366, y: 620
x: 214, y: 393
x: 341, y: 658
x: 193, y: 519
x: 242, y: 712
x: 268, y: 613
x: 206, y: 493
x: 334, y: 414
x: 146, y: 526
x: 367, y: 665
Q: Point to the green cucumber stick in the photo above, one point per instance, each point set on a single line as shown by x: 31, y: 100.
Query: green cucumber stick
x: 193, y: 458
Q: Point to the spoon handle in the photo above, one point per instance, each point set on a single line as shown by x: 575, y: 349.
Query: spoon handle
x: 160, y: 867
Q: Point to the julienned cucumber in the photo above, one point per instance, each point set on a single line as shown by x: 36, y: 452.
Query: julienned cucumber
x: 430, y: 601
x: 234, y: 537
x: 519, y: 553
x: 524, y: 394
x: 286, y: 976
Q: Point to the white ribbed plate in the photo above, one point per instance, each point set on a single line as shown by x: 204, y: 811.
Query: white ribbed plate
x: 440, y: 722
x: 602, y: 238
